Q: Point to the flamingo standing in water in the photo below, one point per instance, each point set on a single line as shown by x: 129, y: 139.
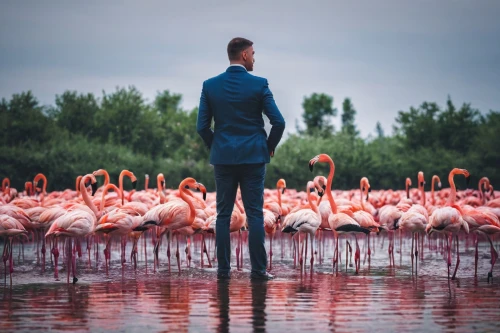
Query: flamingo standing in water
x: 340, y: 222
x: 307, y: 221
x: 10, y: 228
x: 80, y: 221
x: 174, y: 214
x: 364, y: 218
x: 448, y: 220
x: 415, y: 220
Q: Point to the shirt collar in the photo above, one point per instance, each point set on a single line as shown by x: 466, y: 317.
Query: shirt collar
x: 237, y: 65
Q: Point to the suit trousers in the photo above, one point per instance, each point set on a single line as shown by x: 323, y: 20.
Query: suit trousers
x: 250, y: 178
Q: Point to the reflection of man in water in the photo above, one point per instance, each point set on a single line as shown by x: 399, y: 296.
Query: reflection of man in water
x: 259, y: 295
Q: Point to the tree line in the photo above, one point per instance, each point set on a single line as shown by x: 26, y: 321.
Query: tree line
x: 81, y: 133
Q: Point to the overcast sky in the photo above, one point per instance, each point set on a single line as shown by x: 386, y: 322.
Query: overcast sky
x: 385, y: 55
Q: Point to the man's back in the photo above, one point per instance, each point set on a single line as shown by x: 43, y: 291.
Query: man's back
x: 239, y: 149
x: 235, y: 99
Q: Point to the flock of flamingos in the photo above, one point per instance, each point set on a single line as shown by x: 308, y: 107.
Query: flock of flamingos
x: 63, y: 219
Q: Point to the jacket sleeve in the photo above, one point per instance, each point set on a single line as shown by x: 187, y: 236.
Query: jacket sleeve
x: 275, y: 118
x: 205, y: 119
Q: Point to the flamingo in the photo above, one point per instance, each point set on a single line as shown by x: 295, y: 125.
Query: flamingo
x: 78, y: 222
x: 340, y: 222
x: 448, y: 220
x: 10, y: 228
x: 364, y: 217
x: 174, y: 214
x: 307, y: 221
x: 482, y: 221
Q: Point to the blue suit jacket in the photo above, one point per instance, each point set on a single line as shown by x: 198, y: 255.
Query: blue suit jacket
x: 235, y: 100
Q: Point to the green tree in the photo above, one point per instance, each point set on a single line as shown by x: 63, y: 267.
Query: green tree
x: 318, y: 108
x: 119, y: 115
x: 76, y: 113
x: 348, y: 118
x: 380, y: 130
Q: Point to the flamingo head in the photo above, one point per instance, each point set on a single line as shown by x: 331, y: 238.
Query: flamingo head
x: 323, y: 158
x: 421, y: 181
x: 281, y: 185
x: 191, y: 183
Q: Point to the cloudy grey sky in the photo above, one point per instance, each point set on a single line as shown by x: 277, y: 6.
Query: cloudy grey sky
x: 384, y: 55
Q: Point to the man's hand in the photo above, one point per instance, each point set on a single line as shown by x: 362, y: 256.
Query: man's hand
x: 272, y: 153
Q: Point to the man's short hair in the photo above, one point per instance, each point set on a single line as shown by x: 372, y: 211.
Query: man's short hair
x: 236, y: 45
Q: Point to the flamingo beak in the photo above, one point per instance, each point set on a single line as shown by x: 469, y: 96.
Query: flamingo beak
x: 467, y: 180
x: 134, y: 184
x: 311, y: 165
x: 366, y: 196
x: 283, y: 190
x: 94, y: 188
x: 439, y: 184
x: 162, y: 183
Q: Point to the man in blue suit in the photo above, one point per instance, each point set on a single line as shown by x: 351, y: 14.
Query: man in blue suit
x: 239, y: 149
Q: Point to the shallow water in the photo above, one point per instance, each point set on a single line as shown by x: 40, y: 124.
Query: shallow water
x: 379, y: 298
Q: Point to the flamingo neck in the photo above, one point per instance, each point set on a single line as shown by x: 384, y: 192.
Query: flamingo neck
x: 279, y: 197
x: 312, y: 202
x: 361, y: 197
x: 453, y: 193
x: 77, y: 185
x: 482, y: 183
x: 185, y: 197
x: 329, y: 192
x: 6, y: 185
x: 104, y: 192
x: 423, y: 195
x: 87, y: 199
x: 120, y: 184
x: 432, y: 189
x: 106, y: 177
x: 146, y: 183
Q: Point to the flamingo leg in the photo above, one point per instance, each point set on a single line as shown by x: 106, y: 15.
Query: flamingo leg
x: 270, y: 252
x: 476, y: 256
x: 416, y: 251
x: 305, y: 254
x: 357, y: 256
x: 73, y: 262
x: 55, y: 252
x: 188, y: 250
x: 238, y: 249
x: 89, y: 247
x: 312, y: 252
x: 207, y: 252
x: 43, y: 251
x: 411, y: 253
x: 448, y: 241
x: 337, y: 257
x: 177, y: 253
x: 494, y: 257
x: 458, y: 259
x: 294, y: 246
x: 301, y: 248
x: 11, y: 264
x: 69, y: 262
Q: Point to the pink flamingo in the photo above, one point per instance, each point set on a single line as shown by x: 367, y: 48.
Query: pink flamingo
x: 78, y: 222
x: 10, y: 228
x: 340, y: 222
x: 448, y: 220
x: 174, y: 214
x: 307, y: 221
